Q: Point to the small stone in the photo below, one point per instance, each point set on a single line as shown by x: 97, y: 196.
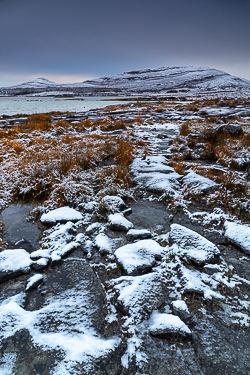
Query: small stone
x: 138, y: 234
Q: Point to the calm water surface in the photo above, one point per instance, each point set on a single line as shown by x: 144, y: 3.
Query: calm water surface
x: 28, y: 105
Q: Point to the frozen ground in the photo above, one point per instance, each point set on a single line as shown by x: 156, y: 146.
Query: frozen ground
x: 142, y: 268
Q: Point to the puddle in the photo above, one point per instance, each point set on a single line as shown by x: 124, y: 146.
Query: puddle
x: 16, y: 228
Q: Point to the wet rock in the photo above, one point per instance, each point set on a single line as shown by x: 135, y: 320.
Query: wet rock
x: 235, y: 130
x: 24, y: 244
x: 139, y: 257
x: 118, y: 222
x: 239, y: 235
x: 138, y: 234
x: 180, y: 308
x: 14, y: 263
x: 166, y: 325
x: 40, y: 264
x: 61, y: 215
x: 193, y: 245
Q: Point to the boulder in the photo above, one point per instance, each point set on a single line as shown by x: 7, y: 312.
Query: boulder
x: 235, y: 130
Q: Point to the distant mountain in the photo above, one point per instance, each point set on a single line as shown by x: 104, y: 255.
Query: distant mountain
x: 36, y: 83
x: 175, y: 81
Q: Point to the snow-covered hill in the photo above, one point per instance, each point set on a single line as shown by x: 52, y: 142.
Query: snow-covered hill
x: 177, y: 81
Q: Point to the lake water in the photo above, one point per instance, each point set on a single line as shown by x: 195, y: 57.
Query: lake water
x: 28, y: 105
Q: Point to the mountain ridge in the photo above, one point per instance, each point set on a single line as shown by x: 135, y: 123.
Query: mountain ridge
x: 164, y: 80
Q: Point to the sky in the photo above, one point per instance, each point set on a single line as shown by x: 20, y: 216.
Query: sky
x: 71, y: 41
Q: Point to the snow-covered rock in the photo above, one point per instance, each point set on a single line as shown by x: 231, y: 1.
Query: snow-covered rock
x: 138, y: 234
x: 239, y: 235
x: 119, y: 222
x: 34, y: 281
x: 14, y: 263
x: 167, y: 325
x: 193, y: 246
x: 139, y: 257
x: 199, y: 184
x: 104, y: 243
x: 138, y: 296
x: 159, y: 183
x: 61, y: 215
x: 113, y: 203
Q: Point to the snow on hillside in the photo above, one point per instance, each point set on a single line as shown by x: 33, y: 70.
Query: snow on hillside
x: 178, y: 80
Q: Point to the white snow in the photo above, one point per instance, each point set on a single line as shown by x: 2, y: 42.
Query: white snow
x: 239, y: 235
x: 138, y: 256
x: 61, y: 214
x: 168, y: 322
x: 193, y: 245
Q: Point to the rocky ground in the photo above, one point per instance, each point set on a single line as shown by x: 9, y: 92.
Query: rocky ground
x: 143, y: 261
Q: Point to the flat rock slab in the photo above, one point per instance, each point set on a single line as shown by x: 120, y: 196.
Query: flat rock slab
x: 239, y: 235
x: 139, y: 257
x: 14, y: 263
x: 151, y: 164
x: 194, y: 246
x: 199, y: 184
x: 61, y: 215
x: 166, y: 325
x: 159, y: 183
x: 68, y: 323
x: 118, y: 222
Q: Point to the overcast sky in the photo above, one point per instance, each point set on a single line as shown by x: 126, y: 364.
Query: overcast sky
x: 70, y: 41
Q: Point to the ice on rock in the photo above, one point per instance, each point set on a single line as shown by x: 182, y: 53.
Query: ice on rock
x: 14, y: 263
x: 34, y: 281
x: 165, y: 325
x: 239, y: 235
x: 139, y: 257
x: 194, y: 246
x: 61, y: 215
x: 119, y: 222
x: 198, y: 183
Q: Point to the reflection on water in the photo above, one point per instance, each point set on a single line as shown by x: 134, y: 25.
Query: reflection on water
x: 16, y: 228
